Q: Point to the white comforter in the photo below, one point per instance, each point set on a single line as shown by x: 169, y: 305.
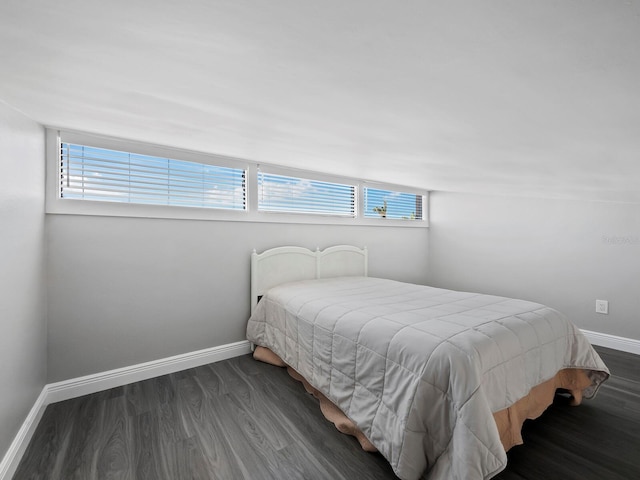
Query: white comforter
x: 420, y: 370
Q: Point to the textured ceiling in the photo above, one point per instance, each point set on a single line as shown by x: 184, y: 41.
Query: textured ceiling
x: 529, y: 98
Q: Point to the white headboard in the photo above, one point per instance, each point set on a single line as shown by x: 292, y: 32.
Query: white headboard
x: 289, y: 264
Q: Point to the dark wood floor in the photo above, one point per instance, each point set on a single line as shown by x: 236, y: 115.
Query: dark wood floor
x: 241, y: 419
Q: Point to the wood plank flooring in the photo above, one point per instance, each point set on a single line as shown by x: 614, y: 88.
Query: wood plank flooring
x: 241, y: 419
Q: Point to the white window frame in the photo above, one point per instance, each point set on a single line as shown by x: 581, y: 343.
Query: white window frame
x: 57, y: 205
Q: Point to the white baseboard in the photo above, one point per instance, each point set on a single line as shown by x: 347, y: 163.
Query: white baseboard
x: 17, y: 448
x: 76, y: 387
x: 623, y: 344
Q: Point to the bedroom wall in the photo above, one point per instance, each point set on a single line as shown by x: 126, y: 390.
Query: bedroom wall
x: 562, y: 253
x: 22, y: 292
x: 129, y: 290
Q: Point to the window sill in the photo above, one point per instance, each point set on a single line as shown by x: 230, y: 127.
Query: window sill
x: 105, y: 209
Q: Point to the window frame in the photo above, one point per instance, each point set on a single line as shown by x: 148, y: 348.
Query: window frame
x: 64, y: 206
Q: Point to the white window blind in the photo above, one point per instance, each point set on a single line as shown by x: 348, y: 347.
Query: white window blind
x: 99, y: 174
x: 281, y: 193
x: 392, y: 204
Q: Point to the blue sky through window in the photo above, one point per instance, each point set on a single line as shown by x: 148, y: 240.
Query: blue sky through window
x: 392, y: 204
x: 281, y: 193
x: 91, y: 173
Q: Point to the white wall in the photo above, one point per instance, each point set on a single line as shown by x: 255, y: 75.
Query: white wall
x: 129, y: 290
x: 565, y: 254
x: 22, y: 292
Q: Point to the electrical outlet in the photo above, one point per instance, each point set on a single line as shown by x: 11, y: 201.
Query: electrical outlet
x: 602, y: 306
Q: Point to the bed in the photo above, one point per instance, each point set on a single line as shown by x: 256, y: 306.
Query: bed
x: 439, y: 381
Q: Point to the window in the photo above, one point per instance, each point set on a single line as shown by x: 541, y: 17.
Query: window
x: 392, y: 204
x: 100, y: 174
x: 281, y: 193
x: 90, y: 174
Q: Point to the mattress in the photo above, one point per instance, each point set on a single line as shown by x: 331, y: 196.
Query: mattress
x: 422, y: 371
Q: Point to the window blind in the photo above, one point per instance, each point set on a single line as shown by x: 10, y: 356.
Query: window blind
x: 392, y: 204
x: 99, y: 174
x: 281, y: 193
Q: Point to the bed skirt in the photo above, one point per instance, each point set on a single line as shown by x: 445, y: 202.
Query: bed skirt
x: 509, y: 421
